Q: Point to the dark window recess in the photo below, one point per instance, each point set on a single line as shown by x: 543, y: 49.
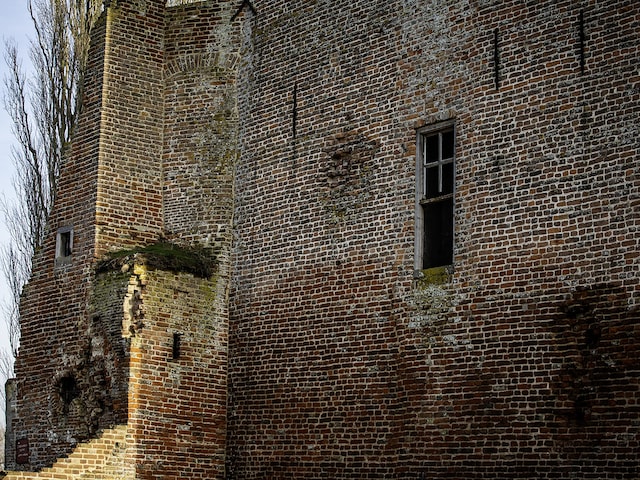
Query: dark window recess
x: 177, y: 340
x: 437, y: 151
x: 65, y: 244
x: 68, y: 389
x: 438, y: 234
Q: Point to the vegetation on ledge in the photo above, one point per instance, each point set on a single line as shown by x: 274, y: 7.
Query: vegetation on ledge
x: 163, y: 255
x: 434, y: 276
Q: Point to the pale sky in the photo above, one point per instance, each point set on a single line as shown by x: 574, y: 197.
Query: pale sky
x: 15, y: 24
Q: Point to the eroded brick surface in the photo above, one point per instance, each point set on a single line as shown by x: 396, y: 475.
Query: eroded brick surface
x: 342, y: 366
x: 150, y: 165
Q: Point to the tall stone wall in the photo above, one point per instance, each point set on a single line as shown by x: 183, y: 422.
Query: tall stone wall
x: 282, y: 136
x: 129, y: 204
x: 522, y: 361
x: 178, y: 382
x: 63, y: 343
x: 179, y: 405
x: 72, y: 366
x: 155, y: 146
x: 201, y: 117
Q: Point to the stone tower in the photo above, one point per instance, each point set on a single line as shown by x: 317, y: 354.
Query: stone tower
x: 125, y: 319
x: 323, y: 239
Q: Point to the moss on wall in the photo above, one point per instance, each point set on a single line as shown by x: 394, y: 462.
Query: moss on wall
x: 196, y: 260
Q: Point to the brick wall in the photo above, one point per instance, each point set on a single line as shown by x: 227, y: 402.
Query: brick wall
x: 201, y: 118
x: 523, y: 364
x: 56, y: 405
x: 102, y: 458
x: 291, y: 132
x: 178, y: 398
x: 78, y: 328
x: 178, y: 405
x: 129, y: 206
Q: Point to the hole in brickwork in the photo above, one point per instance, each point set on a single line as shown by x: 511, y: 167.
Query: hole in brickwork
x: 68, y: 389
x: 64, y: 246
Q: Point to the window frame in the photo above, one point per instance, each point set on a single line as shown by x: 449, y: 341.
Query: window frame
x: 64, y: 246
x: 421, y: 195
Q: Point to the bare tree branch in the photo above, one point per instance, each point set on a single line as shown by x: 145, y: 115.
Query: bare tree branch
x: 6, y: 372
x: 44, y: 109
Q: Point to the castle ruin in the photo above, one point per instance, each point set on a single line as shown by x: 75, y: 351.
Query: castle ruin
x: 321, y: 239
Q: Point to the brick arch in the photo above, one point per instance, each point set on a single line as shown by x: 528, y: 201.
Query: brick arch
x: 218, y: 63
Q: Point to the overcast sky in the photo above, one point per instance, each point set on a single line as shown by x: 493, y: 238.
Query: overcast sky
x: 15, y: 24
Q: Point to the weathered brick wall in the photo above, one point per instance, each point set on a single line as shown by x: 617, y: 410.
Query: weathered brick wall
x: 8, y: 442
x: 58, y: 361
x: 343, y: 362
x: 73, y: 368
x: 72, y: 362
x: 109, y: 354
x: 201, y: 118
x: 129, y: 207
x: 102, y: 458
x: 523, y: 365
x: 178, y: 406
x: 323, y: 196
x: 178, y: 398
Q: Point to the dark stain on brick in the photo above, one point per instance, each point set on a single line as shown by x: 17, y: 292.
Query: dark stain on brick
x: 593, y: 336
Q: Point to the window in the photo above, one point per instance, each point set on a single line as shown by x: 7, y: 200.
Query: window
x: 435, y: 175
x: 177, y: 341
x: 64, y: 245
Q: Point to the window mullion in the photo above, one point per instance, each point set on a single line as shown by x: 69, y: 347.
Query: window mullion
x: 424, y: 167
x: 434, y: 216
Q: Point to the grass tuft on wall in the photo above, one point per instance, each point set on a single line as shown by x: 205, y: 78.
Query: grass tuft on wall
x: 163, y: 255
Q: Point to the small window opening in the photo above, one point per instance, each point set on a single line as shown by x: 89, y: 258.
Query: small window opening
x: 68, y: 389
x: 177, y: 340
x: 64, y: 245
x: 435, y: 174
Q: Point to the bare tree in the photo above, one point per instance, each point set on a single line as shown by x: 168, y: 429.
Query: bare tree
x: 6, y: 371
x: 44, y: 109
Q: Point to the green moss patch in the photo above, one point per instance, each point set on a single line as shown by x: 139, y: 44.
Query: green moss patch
x: 434, y: 276
x: 196, y: 260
